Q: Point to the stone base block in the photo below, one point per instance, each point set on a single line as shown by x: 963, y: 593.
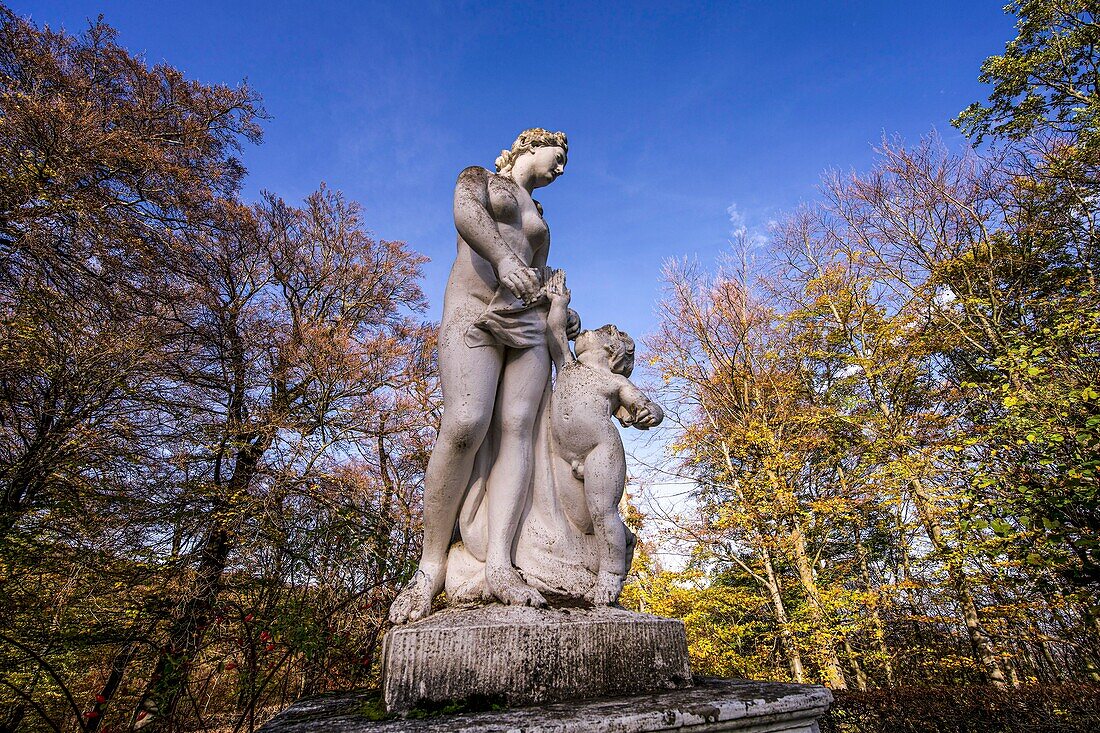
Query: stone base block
x: 711, y: 705
x: 523, y: 656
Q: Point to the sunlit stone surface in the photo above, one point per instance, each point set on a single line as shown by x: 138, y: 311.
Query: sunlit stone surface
x: 711, y: 705
x: 520, y: 656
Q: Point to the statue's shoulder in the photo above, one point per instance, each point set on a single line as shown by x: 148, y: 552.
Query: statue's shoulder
x: 475, y: 174
x: 479, y: 182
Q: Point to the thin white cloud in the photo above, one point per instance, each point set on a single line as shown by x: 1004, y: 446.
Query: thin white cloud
x: 754, y: 237
x: 737, y: 219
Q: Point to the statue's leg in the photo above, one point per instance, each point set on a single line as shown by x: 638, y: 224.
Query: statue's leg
x: 521, y: 390
x: 469, y: 380
x: 604, y: 481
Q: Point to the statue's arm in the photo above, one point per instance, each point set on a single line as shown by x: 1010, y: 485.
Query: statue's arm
x: 557, y: 340
x: 478, y: 229
x: 644, y: 412
x: 557, y: 320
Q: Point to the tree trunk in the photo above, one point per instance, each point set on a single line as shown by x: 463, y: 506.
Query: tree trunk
x: 878, y: 628
x: 834, y: 674
x: 775, y: 595
x: 24, y: 481
x: 980, y: 642
x: 853, y: 659
x: 1053, y: 672
x: 1012, y: 664
x: 118, y: 671
x: 381, y: 549
x: 170, y: 676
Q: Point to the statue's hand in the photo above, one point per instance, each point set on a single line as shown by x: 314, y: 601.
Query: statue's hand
x: 648, y: 415
x: 524, y: 282
x: 555, y: 287
x: 572, y: 325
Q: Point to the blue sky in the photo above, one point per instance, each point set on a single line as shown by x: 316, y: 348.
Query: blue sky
x: 675, y: 111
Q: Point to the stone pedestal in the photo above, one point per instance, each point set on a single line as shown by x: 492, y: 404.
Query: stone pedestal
x: 709, y: 706
x: 523, y: 656
x: 561, y: 670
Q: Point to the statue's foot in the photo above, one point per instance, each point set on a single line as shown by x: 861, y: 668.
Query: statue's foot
x: 415, y: 601
x: 607, y: 590
x: 506, y: 584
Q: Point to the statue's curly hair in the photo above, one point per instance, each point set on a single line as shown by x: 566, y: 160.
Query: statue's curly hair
x: 618, y: 344
x: 536, y: 137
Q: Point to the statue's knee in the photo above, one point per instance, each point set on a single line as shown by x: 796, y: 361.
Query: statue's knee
x: 462, y: 432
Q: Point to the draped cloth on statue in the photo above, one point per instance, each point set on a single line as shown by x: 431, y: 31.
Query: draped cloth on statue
x: 553, y: 547
x: 509, y: 322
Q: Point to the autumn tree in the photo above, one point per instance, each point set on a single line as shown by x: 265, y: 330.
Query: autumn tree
x: 292, y: 336
x: 751, y: 430
x: 103, y: 161
x: 871, y: 382
x: 215, y: 415
x: 1045, y: 81
x: 1037, y: 374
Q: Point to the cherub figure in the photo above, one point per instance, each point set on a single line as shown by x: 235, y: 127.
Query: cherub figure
x: 589, y: 389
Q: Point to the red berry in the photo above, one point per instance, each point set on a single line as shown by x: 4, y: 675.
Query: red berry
x: 100, y: 699
x: 91, y: 714
x: 248, y: 618
x: 142, y: 715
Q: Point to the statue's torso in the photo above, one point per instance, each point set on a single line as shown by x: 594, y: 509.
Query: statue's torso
x: 473, y: 281
x: 584, y: 401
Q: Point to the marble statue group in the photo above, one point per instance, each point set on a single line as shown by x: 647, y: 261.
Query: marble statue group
x: 522, y: 489
x: 521, y: 508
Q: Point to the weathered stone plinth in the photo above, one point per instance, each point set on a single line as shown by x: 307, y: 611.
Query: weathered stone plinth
x: 525, y: 656
x: 711, y: 705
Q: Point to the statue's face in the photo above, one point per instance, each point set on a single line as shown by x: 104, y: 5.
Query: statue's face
x: 547, y: 164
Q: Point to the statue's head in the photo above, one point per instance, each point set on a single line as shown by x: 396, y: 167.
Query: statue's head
x: 615, y: 344
x: 550, y: 151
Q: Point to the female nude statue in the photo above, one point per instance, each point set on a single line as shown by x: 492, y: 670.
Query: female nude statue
x: 492, y: 346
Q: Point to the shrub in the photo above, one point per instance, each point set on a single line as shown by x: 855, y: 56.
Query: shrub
x: 966, y: 709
